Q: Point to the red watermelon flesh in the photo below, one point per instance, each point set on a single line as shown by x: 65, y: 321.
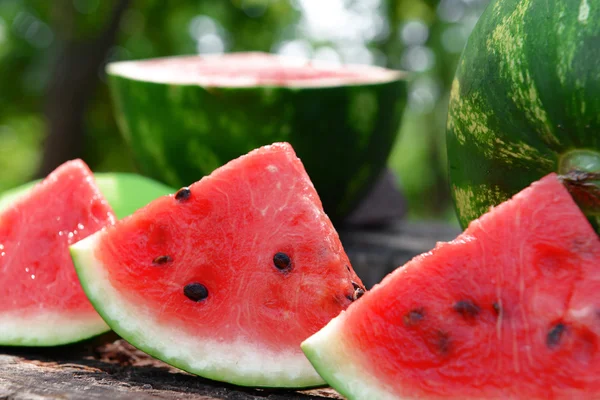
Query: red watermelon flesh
x: 251, y: 69
x: 508, y: 310
x: 225, y: 278
x: 41, y: 300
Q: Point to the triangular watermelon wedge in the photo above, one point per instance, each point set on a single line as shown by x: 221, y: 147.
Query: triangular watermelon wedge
x: 508, y: 310
x: 41, y: 300
x: 225, y: 278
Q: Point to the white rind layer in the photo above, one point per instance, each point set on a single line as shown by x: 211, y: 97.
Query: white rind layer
x: 240, y: 362
x: 183, y: 70
x: 341, y: 367
x: 48, y: 328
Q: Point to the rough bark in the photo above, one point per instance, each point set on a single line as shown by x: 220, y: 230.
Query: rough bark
x: 116, y: 371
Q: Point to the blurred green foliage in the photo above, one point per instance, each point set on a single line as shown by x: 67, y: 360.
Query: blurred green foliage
x: 422, y: 36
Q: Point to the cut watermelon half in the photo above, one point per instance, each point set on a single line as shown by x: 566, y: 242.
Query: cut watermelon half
x: 185, y: 116
x: 227, y: 277
x: 508, y: 310
x: 41, y: 301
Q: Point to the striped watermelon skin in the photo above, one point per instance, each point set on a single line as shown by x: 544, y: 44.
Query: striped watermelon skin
x: 526, y: 96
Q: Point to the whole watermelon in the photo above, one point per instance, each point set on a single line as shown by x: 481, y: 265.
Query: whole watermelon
x: 525, y: 102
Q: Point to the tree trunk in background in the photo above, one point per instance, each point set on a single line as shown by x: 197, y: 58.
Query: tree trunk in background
x: 437, y: 195
x: 72, y: 84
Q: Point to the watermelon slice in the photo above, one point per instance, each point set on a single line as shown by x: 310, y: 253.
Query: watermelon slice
x: 508, y: 310
x: 41, y: 301
x: 225, y: 278
x: 125, y: 192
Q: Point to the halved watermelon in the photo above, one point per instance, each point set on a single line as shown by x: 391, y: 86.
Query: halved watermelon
x: 185, y: 116
x: 41, y: 301
x: 225, y: 278
x: 508, y: 310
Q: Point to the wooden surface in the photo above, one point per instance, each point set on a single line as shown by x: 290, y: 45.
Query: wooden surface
x: 109, y: 368
x: 115, y: 371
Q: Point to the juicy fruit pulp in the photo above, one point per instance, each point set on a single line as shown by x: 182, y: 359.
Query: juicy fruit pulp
x: 526, y: 96
x: 225, y: 278
x: 510, y: 309
x: 41, y: 301
x: 248, y: 70
x: 125, y: 192
x: 185, y: 116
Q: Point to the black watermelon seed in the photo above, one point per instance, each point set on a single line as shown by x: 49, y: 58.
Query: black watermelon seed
x: 443, y: 342
x: 497, y: 308
x: 348, y: 268
x: 358, y: 293
x: 555, y: 334
x: 195, y: 291
x: 183, y: 194
x: 160, y: 260
x: 466, y: 308
x: 282, y: 261
x: 414, y: 316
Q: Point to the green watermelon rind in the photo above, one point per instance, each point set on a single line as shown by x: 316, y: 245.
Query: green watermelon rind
x: 125, y: 192
x: 343, y: 133
x: 339, y: 367
x: 137, y: 326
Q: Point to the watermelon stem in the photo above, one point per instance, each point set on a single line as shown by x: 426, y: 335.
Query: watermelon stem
x: 585, y: 189
x: 579, y: 161
x: 580, y: 173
